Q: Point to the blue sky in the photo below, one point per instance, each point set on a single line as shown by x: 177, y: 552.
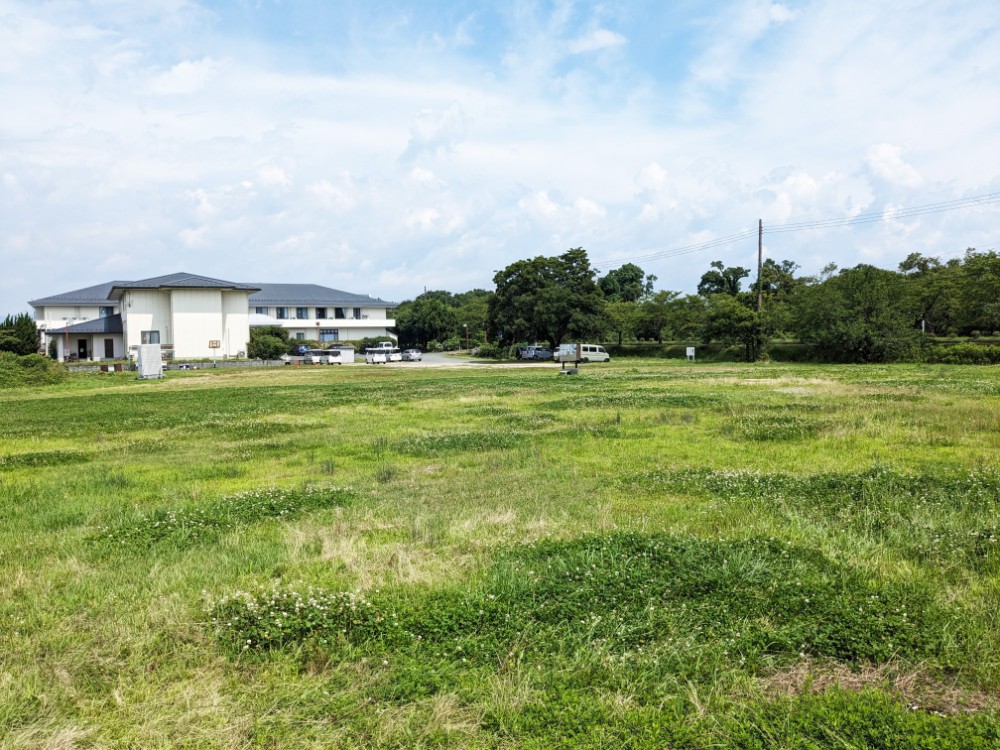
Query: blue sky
x: 386, y: 148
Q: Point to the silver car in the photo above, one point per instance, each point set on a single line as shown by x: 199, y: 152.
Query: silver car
x: 412, y: 355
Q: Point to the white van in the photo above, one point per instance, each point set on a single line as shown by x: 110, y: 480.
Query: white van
x: 338, y: 356
x: 585, y: 353
x: 376, y: 356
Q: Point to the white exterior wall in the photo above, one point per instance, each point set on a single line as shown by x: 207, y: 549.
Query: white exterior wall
x: 372, y: 323
x: 48, y: 317
x: 346, y: 334
x: 236, y: 323
x: 146, y: 310
x: 198, y: 319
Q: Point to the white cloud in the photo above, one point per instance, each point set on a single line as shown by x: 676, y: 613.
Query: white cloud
x: 435, y: 131
x: 185, y: 77
x: 597, y: 39
x: 507, y: 140
x: 886, y: 161
x: 272, y: 176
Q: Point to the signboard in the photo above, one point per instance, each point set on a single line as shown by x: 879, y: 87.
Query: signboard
x: 214, y: 344
x: 690, y: 353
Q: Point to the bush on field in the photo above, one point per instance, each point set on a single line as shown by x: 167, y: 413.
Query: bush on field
x: 963, y: 354
x: 490, y: 351
x: 30, y: 370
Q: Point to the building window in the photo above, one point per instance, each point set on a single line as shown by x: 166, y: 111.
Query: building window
x: 301, y: 313
x: 357, y: 313
x: 340, y: 313
x: 281, y: 313
x: 329, y: 334
x: 320, y: 313
x: 261, y: 310
x: 106, y: 312
x: 151, y: 337
x: 300, y: 335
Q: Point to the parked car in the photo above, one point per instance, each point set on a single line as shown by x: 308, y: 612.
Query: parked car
x: 534, y: 352
x: 581, y: 353
x: 300, y: 350
x: 412, y: 355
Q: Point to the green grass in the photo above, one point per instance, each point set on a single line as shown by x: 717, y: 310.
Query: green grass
x: 651, y: 554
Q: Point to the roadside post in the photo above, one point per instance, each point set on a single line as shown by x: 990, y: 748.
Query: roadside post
x: 213, y: 345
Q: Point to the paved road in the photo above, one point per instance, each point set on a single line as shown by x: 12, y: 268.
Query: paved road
x: 431, y: 359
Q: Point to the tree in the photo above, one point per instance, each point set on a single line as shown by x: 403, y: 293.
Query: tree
x: 473, y: 308
x: 734, y: 320
x: 863, y: 314
x: 626, y: 284
x: 979, y: 304
x: 267, y: 342
x: 722, y: 280
x: 624, y: 318
x: 427, y: 318
x: 937, y: 289
x: 655, y: 313
x: 546, y: 299
x: 19, y: 335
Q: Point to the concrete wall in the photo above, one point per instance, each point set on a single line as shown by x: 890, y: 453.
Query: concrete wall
x: 198, y: 319
x: 146, y: 310
x: 236, y: 323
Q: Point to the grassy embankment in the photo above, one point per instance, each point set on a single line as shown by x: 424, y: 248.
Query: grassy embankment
x: 648, y: 555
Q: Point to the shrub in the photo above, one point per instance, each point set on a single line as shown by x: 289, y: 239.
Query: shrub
x: 30, y: 370
x: 490, y: 351
x: 963, y: 354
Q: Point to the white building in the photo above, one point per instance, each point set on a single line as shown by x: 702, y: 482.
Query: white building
x: 194, y: 317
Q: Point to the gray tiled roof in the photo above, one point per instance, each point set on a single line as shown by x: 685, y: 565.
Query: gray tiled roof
x: 183, y: 281
x: 311, y: 294
x: 261, y: 294
x: 91, y: 295
x: 110, y: 324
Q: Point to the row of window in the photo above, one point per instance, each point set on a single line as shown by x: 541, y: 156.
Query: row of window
x: 322, y: 313
x: 325, y: 334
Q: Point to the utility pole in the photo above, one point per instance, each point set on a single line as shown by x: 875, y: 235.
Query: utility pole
x: 760, y: 263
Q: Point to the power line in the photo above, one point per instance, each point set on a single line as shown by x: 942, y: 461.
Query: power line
x: 802, y: 226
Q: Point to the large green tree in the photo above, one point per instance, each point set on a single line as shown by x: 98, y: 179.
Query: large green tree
x: 937, y: 289
x: 427, y: 318
x: 547, y: 299
x: 722, y: 280
x: 626, y: 284
x: 863, y: 314
x: 735, y: 320
x: 979, y: 303
x: 19, y: 335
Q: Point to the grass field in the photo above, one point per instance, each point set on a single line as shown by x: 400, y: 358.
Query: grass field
x: 647, y: 555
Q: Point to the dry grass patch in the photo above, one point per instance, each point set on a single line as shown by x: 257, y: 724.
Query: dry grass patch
x: 915, y: 687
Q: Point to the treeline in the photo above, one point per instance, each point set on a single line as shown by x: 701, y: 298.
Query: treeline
x: 859, y: 314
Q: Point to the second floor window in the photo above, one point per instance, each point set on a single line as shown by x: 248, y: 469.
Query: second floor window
x: 320, y: 313
x: 260, y: 310
x: 281, y: 313
x: 301, y: 313
x: 107, y: 312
